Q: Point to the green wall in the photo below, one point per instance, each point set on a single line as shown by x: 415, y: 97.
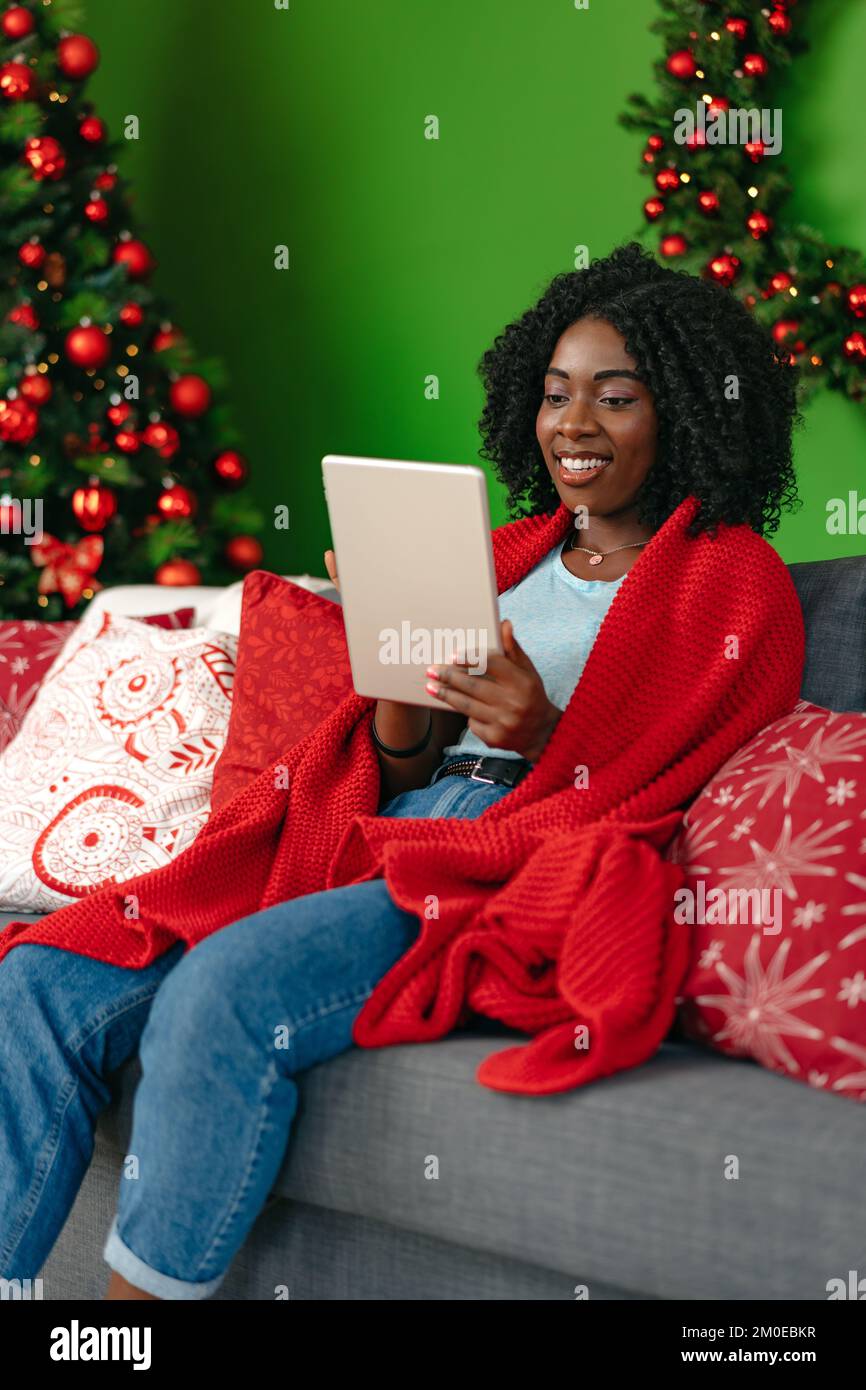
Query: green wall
x: 408, y: 255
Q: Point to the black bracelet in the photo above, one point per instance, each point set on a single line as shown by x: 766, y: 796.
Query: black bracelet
x: 402, y: 752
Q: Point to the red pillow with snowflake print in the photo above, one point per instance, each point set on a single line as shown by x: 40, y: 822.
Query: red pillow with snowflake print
x: 283, y: 628
x: 775, y: 895
x: 27, y: 650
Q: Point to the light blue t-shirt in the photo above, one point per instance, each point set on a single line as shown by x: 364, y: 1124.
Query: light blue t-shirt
x: 556, y: 619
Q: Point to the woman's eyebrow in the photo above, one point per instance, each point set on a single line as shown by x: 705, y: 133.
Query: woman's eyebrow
x: 617, y: 371
x: 598, y: 376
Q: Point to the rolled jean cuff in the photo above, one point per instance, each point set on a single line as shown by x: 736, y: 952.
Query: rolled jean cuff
x: 120, y: 1258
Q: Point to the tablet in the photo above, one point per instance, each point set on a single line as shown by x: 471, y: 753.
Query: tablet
x: 415, y: 567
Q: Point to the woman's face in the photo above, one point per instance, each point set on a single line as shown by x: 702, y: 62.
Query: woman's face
x: 597, y: 413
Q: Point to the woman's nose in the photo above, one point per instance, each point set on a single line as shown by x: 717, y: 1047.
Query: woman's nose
x: 577, y: 418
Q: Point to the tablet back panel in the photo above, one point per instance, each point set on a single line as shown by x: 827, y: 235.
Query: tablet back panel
x: 415, y: 566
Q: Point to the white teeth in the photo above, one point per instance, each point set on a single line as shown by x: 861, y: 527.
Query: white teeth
x: 581, y: 465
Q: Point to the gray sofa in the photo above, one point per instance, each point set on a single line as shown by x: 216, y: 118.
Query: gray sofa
x: 617, y: 1188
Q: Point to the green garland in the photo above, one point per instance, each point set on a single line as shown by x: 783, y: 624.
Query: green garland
x: 720, y: 207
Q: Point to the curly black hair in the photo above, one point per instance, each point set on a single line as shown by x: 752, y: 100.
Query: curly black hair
x: 687, y: 336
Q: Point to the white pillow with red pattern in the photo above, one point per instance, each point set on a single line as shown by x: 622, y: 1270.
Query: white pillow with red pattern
x: 110, y: 774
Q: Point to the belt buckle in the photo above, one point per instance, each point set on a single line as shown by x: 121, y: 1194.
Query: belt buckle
x: 475, y: 777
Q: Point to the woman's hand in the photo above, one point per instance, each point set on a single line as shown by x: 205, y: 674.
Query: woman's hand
x: 507, y: 707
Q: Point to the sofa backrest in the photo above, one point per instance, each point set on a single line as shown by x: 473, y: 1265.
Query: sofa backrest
x: 833, y: 597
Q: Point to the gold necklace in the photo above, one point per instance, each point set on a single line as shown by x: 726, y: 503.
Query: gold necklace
x: 596, y: 556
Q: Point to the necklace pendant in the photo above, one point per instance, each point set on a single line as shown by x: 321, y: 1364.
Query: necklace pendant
x: 596, y: 559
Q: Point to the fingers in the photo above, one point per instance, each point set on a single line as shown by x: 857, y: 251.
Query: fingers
x: 331, y: 567
x: 462, y: 688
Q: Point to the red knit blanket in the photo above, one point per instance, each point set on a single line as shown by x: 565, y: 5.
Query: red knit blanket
x: 551, y: 912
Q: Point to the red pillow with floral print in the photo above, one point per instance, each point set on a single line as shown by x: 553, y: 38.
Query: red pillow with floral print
x: 28, y: 650
x: 283, y: 627
x: 775, y: 895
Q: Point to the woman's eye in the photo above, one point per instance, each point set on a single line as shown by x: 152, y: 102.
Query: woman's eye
x: 617, y: 400
x: 552, y: 397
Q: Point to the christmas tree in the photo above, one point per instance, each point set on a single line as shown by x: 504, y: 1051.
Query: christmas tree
x: 114, y: 441
x: 720, y: 186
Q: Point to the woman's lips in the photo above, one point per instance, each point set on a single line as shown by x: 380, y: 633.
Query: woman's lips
x: 579, y: 476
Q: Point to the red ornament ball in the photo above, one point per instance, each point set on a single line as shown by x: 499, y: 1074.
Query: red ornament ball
x: 667, y: 180
x: 724, y: 269
x: 32, y: 254
x: 25, y: 315
x: 36, y: 388
x: 163, y: 437
x: 92, y: 129
x: 854, y: 347
x: 754, y: 149
x: 87, y: 346
x: 176, y: 503
x: 231, y: 468
x: 94, y: 506
x: 737, y: 26
x: 18, y: 421
x: 708, y: 202
x: 17, y: 22
x: 165, y: 337
x: 682, y: 64
x: 779, y: 23
x: 127, y: 441
x: 190, y: 396
x: 131, y: 315
x: 96, y: 210
x: 244, y: 553
x: 779, y: 283
x: 135, y: 256
x: 674, y: 245
x: 177, y: 572
x: 697, y: 140
x: 17, y: 81
x: 653, y: 209
x: 759, y: 224
x: 46, y: 157
x: 785, y: 328
x: 77, y: 56
x: 857, y: 301
x: 118, y: 413
x: 655, y: 142
x: 105, y: 181
x: 755, y: 65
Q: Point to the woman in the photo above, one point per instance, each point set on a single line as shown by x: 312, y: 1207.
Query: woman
x: 625, y: 392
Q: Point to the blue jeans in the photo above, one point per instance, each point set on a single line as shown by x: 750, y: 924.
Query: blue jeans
x: 222, y: 1032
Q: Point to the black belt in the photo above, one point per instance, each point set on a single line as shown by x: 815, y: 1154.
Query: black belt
x: 506, y: 771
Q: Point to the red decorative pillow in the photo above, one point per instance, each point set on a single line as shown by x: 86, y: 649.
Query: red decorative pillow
x: 775, y: 895
x: 27, y: 651
x: 283, y: 628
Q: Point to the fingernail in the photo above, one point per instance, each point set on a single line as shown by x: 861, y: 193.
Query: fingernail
x: 433, y: 671
x: 431, y: 689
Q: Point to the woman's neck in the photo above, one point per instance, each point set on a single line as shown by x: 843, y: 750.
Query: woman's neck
x: 605, y: 532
